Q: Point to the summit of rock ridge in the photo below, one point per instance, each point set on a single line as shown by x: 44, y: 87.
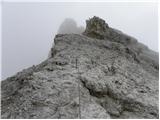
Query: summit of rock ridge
x: 96, y: 27
x: 102, y: 73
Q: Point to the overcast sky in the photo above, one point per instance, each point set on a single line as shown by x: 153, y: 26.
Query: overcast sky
x: 28, y: 29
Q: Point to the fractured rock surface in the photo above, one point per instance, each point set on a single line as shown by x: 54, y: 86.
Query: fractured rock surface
x: 87, y: 77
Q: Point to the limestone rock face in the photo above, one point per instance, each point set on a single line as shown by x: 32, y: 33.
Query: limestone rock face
x: 96, y: 27
x: 87, y: 77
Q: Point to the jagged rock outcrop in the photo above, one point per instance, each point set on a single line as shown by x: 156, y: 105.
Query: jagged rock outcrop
x: 109, y: 76
x: 96, y: 27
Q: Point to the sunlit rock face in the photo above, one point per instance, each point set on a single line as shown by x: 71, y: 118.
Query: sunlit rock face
x: 87, y: 76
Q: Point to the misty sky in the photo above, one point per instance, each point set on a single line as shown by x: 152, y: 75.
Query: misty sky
x: 28, y: 29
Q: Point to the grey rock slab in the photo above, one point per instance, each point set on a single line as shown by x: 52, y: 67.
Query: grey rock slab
x: 87, y: 77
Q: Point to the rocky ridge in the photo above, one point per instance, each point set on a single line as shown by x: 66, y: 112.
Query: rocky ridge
x: 102, y: 73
